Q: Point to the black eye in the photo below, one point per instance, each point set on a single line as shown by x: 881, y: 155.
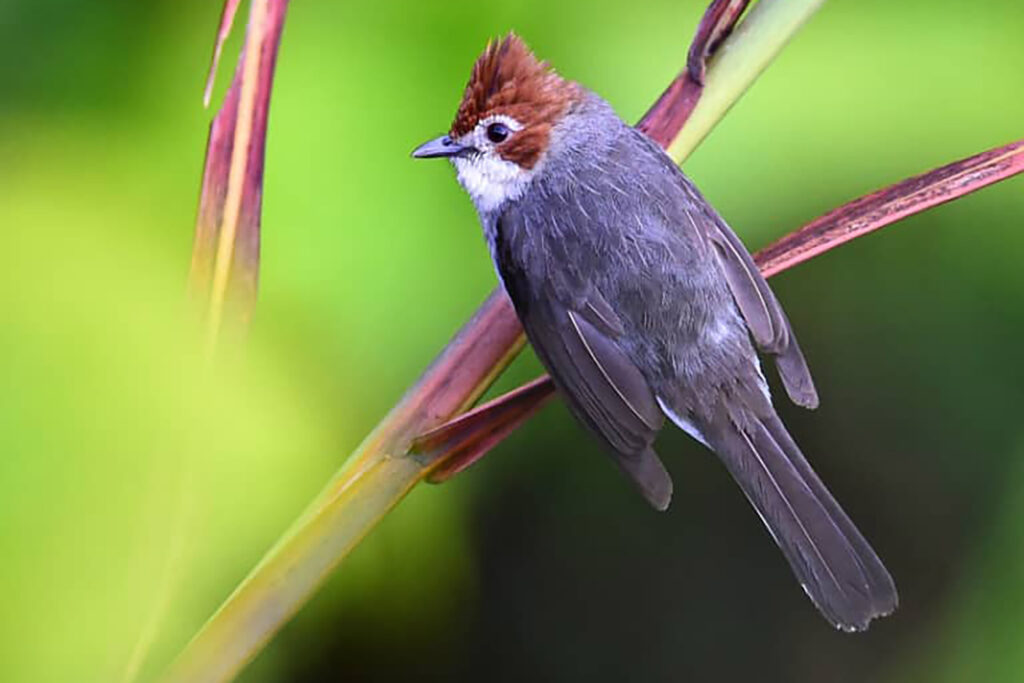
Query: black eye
x: 497, y: 132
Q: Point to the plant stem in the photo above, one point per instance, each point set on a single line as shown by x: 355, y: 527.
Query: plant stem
x: 374, y: 483
x: 755, y: 42
x: 379, y: 474
x: 236, y: 177
x: 371, y: 482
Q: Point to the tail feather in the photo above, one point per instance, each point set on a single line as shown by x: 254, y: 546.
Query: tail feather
x: 833, y: 562
x: 879, y: 580
x: 648, y: 474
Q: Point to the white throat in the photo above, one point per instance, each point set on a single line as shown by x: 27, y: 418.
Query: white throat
x: 492, y: 181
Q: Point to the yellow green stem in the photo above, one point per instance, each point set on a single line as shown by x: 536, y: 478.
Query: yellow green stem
x: 755, y: 42
x: 379, y: 474
x: 287, y: 576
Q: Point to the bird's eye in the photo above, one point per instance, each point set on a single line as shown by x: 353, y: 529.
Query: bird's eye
x: 497, y: 132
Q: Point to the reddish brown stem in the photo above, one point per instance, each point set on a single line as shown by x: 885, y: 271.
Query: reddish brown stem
x: 886, y: 206
x: 383, y: 470
x: 461, y: 373
x: 666, y: 117
x: 227, y: 18
x: 719, y: 20
x: 225, y: 253
x: 470, y: 436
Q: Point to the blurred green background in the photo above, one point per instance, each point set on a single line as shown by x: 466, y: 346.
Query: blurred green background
x: 136, y: 490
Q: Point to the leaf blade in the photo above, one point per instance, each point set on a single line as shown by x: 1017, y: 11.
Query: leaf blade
x: 227, y: 18
x: 470, y: 436
x: 891, y: 204
x: 382, y: 470
x: 225, y: 255
x: 669, y: 113
x: 854, y: 219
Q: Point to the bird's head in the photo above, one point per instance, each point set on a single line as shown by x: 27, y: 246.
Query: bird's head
x: 502, y: 129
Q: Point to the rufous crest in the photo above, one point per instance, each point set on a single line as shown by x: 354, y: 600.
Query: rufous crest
x: 509, y: 80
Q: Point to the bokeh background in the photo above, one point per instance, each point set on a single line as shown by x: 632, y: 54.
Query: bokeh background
x: 137, y: 488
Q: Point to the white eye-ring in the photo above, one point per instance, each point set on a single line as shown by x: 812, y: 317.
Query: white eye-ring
x: 498, y: 128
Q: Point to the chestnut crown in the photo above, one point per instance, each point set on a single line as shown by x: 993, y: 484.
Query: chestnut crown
x: 520, y: 98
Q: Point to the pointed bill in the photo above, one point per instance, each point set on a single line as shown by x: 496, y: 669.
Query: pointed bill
x: 379, y: 474
x: 850, y: 221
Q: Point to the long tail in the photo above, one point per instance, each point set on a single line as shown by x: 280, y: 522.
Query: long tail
x: 833, y: 562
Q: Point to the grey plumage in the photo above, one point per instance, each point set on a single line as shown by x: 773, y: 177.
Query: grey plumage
x: 637, y: 296
x: 643, y: 304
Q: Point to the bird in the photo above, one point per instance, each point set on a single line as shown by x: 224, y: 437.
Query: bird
x: 644, y: 306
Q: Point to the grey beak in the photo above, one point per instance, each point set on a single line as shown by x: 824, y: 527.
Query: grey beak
x: 443, y: 146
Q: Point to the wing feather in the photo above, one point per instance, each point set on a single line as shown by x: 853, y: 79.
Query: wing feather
x: 761, y: 311
x: 601, y: 386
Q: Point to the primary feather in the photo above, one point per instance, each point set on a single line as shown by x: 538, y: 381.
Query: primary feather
x: 641, y: 302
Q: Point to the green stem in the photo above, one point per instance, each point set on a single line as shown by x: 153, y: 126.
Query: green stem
x: 371, y: 482
x: 289, y: 574
x: 756, y: 41
x: 380, y: 473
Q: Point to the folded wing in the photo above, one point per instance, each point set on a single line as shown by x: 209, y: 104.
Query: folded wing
x: 601, y: 386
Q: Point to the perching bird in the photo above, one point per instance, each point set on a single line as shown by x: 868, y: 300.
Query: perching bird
x: 642, y: 303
